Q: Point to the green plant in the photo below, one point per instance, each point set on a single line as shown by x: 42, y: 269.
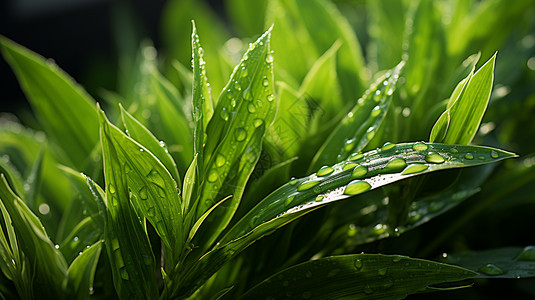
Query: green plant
x: 194, y: 195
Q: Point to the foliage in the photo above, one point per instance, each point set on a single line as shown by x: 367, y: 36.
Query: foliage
x: 264, y: 169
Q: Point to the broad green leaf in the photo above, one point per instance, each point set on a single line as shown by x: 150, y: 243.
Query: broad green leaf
x: 131, y: 258
x: 234, y: 135
x: 81, y: 272
x: 359, y: 126
x: 143, y: 136
x: 46, y: 262
x: 156, y: 193
x: 356, y: 175
x: 466, y: 107
x: 358, y: 276
x: 65, y: 109
x: 497, y: 263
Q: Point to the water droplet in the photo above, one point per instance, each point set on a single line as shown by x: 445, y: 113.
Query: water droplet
x: 376, y: 111
x: 356, y: 156
x: 141, y: 150
x: 387, y: 146
x: 414, y: 217
x: 491, y: 269
x: 481, y: 157
x: 111, y: 187
x: 358, y: 264
x: 349, y: 145
x: 368, y: 290
x: 293, y: 181
x: 324, y: 171
x: 240, y: 134
x: 469, y: 156
x: 151, y: 212
x: 251, y: 108
x: 56, y: 246
x: 258, y: 122
x: 244, y: 72
x: 527, y: 254
x: 307, y: 185
x: 419, y: 147
x: 237, y: 86
x: 233, y: 102
x: 127, y: 168
x: 356, y: 187
x: 333, y: 272
x: 435, y: 206
x: 414, y: 168
x: 308, y: 274
x: 265, y: 81
x: 359, y: 172
x: 247, y: 95
x: 395, y: 165
x: 349, y: 166
x: 307, y: 295
x: 269, y: 58
x: 319, y: 198
x: 212, y: 176
x: 143, y: 193
x: 379, y: 229
x: 124, y: 273
x: 270, y: 97
x: 433, y: 157
x: 289, y: 200
x: 220, y: 160
x: 494, y: 154
x: 378, y: 92
x: 370, y: 133
x: 224, y: 114
x: 382, y: 271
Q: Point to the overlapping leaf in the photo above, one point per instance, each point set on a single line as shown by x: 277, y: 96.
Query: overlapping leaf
x: 64, y: 108
x: 234, y: 135
x: 359, y: 276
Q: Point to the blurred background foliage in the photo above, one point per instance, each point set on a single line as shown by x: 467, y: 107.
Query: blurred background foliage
x: 322, y: 67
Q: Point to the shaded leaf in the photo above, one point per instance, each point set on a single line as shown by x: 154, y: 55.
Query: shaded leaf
x: 81, y: 272
x: 358, y: 276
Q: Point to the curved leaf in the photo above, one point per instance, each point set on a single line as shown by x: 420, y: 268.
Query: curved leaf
x: 81, y: 272
x: 359, y: 276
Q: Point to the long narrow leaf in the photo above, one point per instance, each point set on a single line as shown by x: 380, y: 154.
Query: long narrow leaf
x: 359, y: 276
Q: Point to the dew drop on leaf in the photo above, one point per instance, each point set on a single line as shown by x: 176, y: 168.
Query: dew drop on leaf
x: 265, y: 81
x: 491, y: 269
x: 349, y: 145
x: 240, y: 134
x: 270, y: 97
x: 388, y: 146
x: 382, y: 271
x: 220, y: 160
x: 414, y: 168
x: 419, y: 146
x: 258, y: 122
x: 433, y: 157
x: 527, y: 254
x: 307, y: 185
x: 319, y: 198
x: 376, y: 111
x: 349, y: 166
x: 212, y: 176
x: 358, y: 264
x: 289, y: 200
x: 494, y: 154
x: 370, y: 133
x: 224, y: 114
x: 356, y: 187
x: 143, y: 193
x: 395, y: 165
x: 269, y: 58
x: 237, y: 86
x: 251, y: 108
x: 324, y: 171
x: 469, y: 156
x: 356, y: 156
x: 293, y: 181
x: 124, y: 273
x: 359, y: 172
x: 247, y: 94
x: 111, y: 187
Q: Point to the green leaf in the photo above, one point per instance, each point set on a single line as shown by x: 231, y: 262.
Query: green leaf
x: 46, y: 262
x: 83, y: 235
x: 358, y: 276
x: 155, y: 191
x: 356, y: 175
x: 81, y: 272
x: 65, y: 109
x: 359, y: 126
x: 131, y: 258
x: 234, y: 135
x: 497, y: 263
x: 466, y: 107
x: 143, y: 136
